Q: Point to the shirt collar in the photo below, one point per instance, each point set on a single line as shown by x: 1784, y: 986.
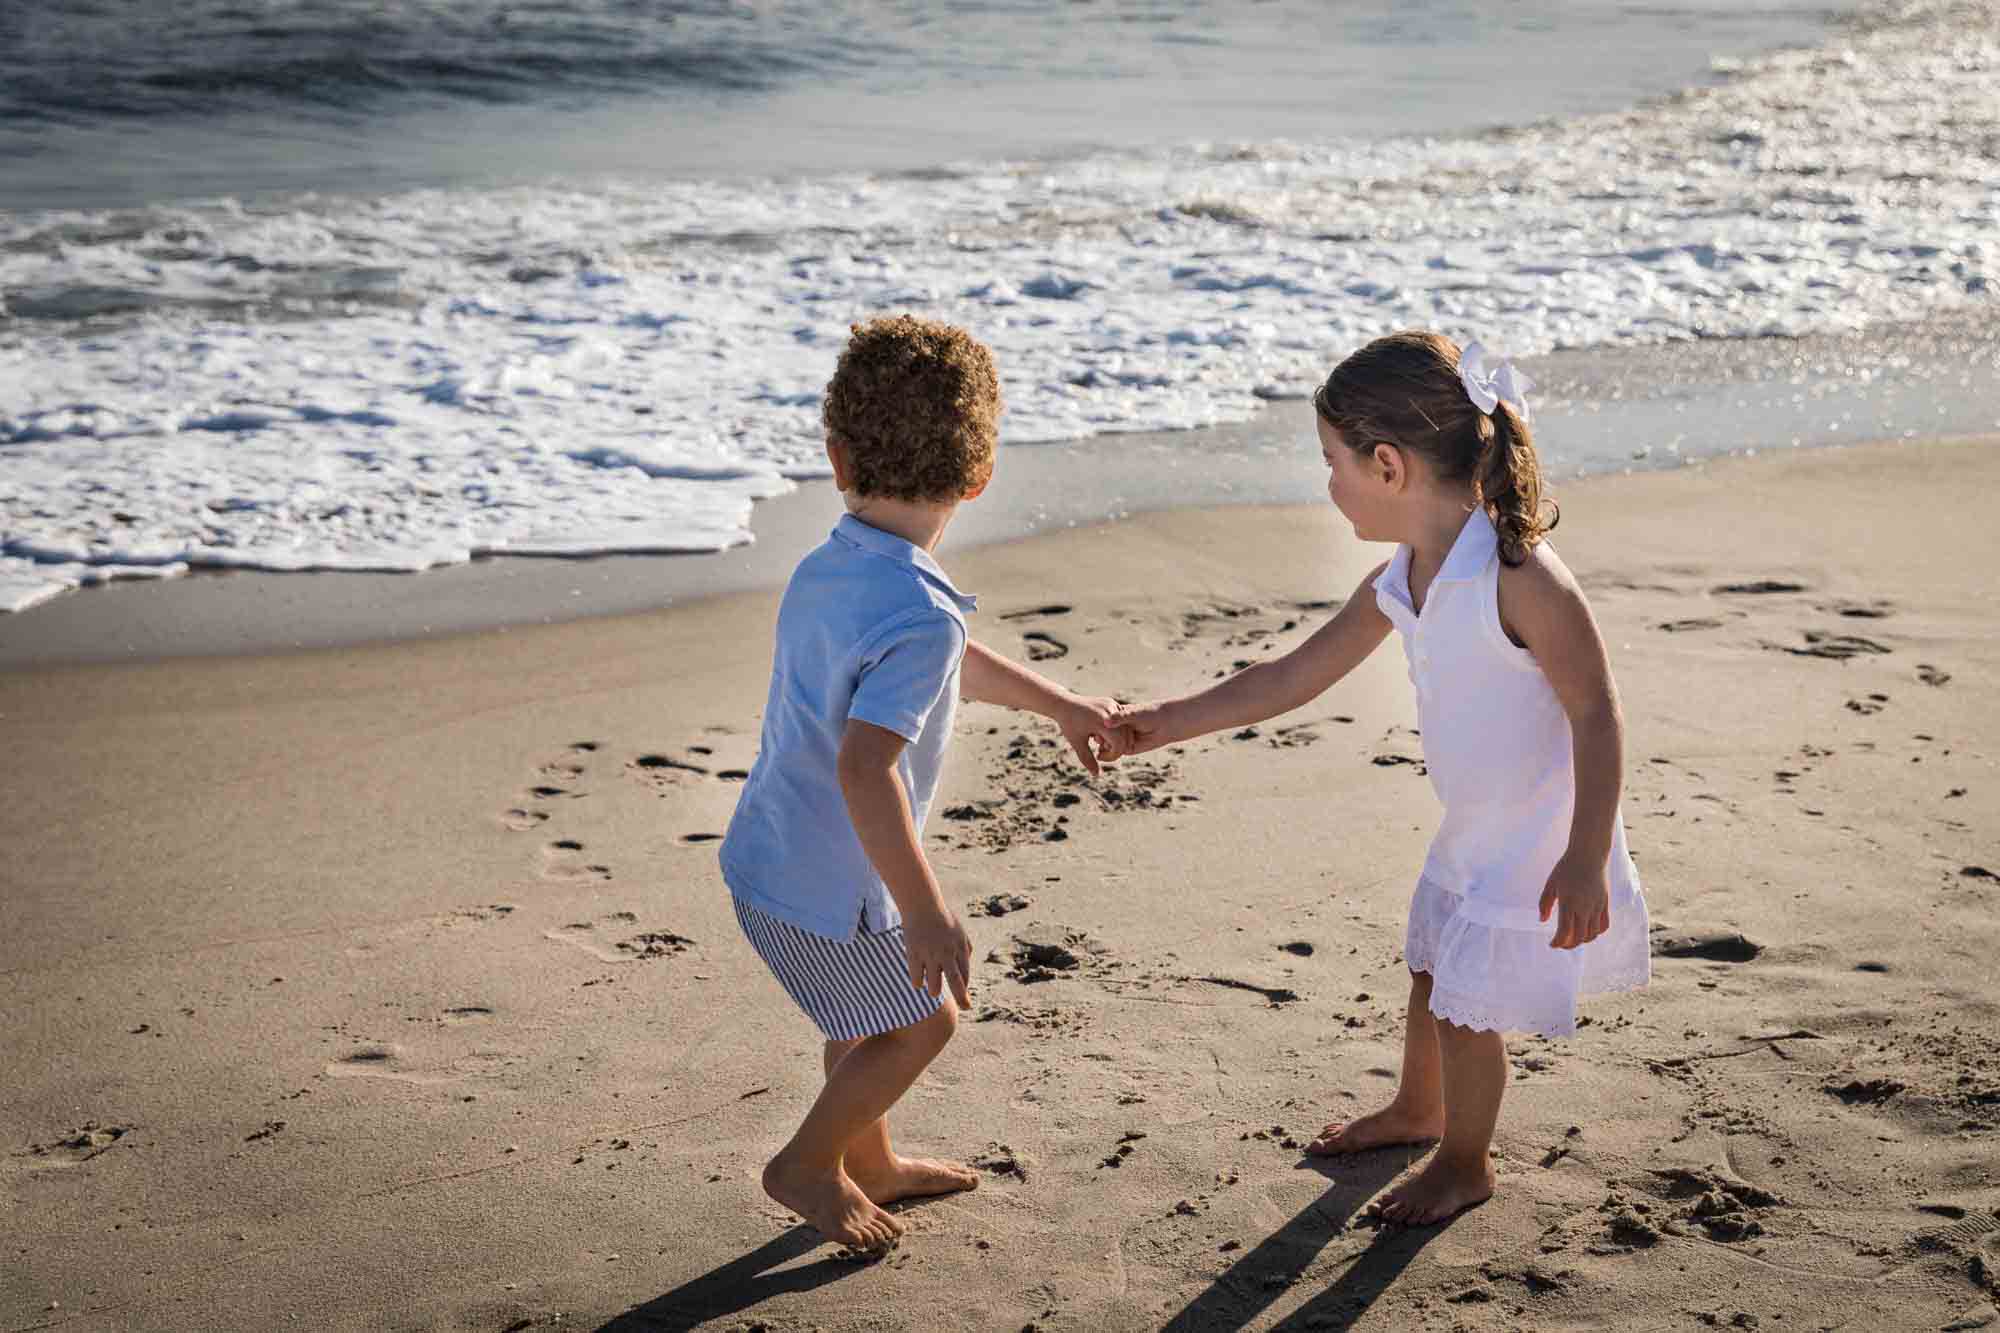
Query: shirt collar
x: 887, y: 544
x: 1475, y: 546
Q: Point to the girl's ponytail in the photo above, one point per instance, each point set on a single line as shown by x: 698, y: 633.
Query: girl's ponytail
x: 1510, y: 483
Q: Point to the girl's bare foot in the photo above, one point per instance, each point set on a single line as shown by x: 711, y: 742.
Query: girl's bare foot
x: 833, y: 1204
x: 1443, y: 1188
x: 911, y: 1178
x: 1393, y: 1124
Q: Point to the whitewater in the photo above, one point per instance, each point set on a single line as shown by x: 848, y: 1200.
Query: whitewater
x: 402, y: 381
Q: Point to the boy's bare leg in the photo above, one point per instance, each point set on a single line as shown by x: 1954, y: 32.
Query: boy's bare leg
x: 1461, y: 1172
x: 1416, y: 1113
x: 807, y: 1176
x: 884, y: 1175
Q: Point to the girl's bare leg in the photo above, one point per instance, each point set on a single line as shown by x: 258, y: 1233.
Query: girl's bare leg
x: 807, y: 1175
x: 880, y: 1172
x: 1460, y: 1174
x: 1417, y: 1113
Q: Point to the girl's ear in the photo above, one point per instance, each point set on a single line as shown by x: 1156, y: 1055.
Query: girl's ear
x: 842, y: 459
x: 1390, y: 465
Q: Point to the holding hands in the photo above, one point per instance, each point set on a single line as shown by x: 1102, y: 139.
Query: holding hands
x: 1094, y: 729
x: 1103, y: 731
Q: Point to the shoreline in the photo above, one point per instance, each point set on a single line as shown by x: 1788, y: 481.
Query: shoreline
x: 1609, y: 410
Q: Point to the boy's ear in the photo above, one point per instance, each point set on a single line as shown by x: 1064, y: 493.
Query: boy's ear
x: 978, y: 488
x: 842, y: 458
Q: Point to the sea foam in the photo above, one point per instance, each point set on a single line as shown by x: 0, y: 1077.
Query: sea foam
x: 406, y: 381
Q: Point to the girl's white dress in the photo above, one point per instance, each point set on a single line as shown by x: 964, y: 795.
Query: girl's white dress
x: 1497, y: 744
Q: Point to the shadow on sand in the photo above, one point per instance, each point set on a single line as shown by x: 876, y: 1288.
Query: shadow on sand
x: 737, y: 1285
x: 1252, y: 1284
x: 1271, y: 1270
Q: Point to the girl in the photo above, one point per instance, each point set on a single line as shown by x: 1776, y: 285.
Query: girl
x: 1521, y: 733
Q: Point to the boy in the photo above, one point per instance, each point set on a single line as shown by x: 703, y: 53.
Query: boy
x: 824, y: 856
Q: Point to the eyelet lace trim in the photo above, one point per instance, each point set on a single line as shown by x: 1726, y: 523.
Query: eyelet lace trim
x: 1626, y: 979
x: 1480, y: 1019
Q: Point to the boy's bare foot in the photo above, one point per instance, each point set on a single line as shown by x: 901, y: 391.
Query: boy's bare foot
x: 1442, y: 1189
x: 833, y: 1204
x: 912, y: 1178
x: 1392, y: 1124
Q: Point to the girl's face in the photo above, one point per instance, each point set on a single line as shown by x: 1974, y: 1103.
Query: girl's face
x: 1352, y: 483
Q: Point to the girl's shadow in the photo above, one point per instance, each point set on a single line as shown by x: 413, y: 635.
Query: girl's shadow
x: 1264, y: 1274
x: 737, y: 1285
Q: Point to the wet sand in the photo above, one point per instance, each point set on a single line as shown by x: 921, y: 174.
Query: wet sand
x: 395, y: 986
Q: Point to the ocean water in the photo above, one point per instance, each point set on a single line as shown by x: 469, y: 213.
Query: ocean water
x: 357, y: 286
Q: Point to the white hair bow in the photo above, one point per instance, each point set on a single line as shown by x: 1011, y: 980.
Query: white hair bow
x: 1487, y: 389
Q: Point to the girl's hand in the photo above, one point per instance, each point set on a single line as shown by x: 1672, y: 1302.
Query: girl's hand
x: 1093, y: 722
x: 939, y: 953
x: 1578, y: 892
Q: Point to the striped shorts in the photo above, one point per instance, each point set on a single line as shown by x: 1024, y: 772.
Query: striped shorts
x: 851, y: 988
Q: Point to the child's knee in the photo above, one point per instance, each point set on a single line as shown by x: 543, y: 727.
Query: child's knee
x: 936, y: 1030
x: 945, y: 1020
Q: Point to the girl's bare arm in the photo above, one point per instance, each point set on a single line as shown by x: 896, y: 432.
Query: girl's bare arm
x: 1542, y: 606
x: 1269, y: 688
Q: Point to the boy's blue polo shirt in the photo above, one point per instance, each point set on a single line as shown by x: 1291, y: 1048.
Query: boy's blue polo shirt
x: 869, y: 628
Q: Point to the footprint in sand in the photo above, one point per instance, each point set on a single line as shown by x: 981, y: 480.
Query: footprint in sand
x: 381, y: 1060
x: 473, y: 916
x: 1040, y: 1020
x: 1708, y: 946
x: 466, y: 1013
x: 1036, y: 612
x: 557, y: 777
x: 661, y: 765
x: 1044, y: 787
x: 80, y: 1145
x: 1931, y: 676
x: 596, y: 938
x: 1044, y: 647
x: 1837, y: 647
x: 563, y: 859
x: 1758, y: 588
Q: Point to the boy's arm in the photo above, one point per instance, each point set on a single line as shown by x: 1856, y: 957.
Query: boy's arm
x: 1269, y: 688
x: 1541, y: 603
x: 987, y: 677
x: 940, y: 952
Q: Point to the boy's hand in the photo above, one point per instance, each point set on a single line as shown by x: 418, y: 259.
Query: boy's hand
x: 940, y: 953
x: 1143, y: 727
x: 1581, y: 899
x: 1093, y: 722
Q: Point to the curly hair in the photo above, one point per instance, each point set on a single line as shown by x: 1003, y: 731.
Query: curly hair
x: 918, y: 404
x: 1404, y: 390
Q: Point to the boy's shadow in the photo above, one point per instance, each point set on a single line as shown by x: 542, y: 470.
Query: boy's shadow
x: 737, y: 1285
x: 1264, y: 1274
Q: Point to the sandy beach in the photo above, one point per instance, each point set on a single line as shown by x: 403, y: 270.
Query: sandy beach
x: 395, y: 987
